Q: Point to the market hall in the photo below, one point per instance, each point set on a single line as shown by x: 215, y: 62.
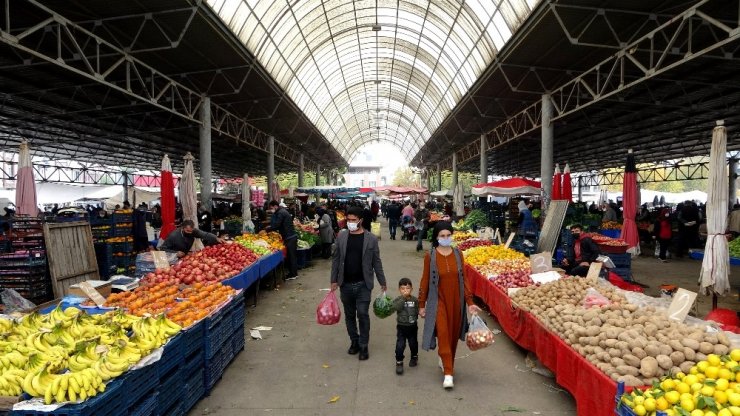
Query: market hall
x: 199, y: 109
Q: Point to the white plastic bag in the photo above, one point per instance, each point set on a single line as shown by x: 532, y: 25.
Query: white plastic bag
x: 479, y: 336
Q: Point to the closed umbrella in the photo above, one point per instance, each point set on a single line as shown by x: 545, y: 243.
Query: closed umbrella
x: 567, y: 191
x: 167, y: 196
x: 603, y: 197
x: 662, y: 200
x: 714, y: 268
x: 629, y: 202
x: 187, y: 196
x: 247, y: 224
x: 275, y: 191
x: 25, y: 194
x: 656, y: 201
x: 557, y: 190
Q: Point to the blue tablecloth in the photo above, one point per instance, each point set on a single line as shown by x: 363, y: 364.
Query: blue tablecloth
x: 246, y: 278
x: 269, y: 263
x: 611, y: 233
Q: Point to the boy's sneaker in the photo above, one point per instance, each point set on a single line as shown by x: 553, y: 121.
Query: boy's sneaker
x: 413, y: 361
x: 399, y: 367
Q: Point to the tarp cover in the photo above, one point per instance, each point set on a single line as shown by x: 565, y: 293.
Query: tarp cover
x: 508, y: 187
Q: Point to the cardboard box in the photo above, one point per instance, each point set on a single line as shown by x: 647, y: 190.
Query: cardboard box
x: 7, y: 402
x: 102, y: 286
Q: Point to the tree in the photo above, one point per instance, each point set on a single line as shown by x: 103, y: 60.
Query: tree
x: 405, y: 176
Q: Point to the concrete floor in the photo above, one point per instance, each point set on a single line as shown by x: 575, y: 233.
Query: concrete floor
x: 300, y: 366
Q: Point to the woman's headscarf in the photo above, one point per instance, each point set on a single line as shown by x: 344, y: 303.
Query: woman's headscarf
x: 522, y: 205
x: 441, y: 225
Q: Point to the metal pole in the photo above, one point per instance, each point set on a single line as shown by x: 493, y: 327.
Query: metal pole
x: 454, y: 171
x: 733, y: 183
x: 483, y: 163
x: 546, y: 160
x: 580, y: 189
x: 270, y: 167
x: 439, y: 177
x: 318, y: 175
x: 125, y: 186
x: 300, y: 171
x: 328, y: 177
x: 205, y: 154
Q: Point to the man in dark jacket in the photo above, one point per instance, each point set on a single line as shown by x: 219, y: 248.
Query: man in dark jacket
x: 580, y: 255
x: 282, y: 222
x: 394, y: 217
x: 181, y: 240
x: 356, y: 261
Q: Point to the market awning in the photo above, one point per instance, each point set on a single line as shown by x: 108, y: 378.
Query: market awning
x: 326, y: 189
x: 402, y: 190
x: 508, y: 187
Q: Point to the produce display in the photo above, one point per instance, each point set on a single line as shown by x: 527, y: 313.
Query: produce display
x: 128, y: 239
x: 603, y: 240
x: 183, y: 306
x: 709, y: 388
x: 734, y: 246
x: 309, y: 227
x: 611, y: 225
x: 478, y: 256
x: 212, y: 264
x: 475, y: 219
x: 435, y: 216
x: 473, y: 242
x: 259, y: 247
x: 309, y: 237
x: 272, y: 239
x: 458, y: 236
x: 37, y: 351
x: 629, y: 344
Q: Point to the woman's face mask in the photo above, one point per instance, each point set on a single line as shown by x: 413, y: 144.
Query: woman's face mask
x: 445, y: 242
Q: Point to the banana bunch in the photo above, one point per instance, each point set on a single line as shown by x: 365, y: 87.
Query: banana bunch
x: 29, y: 324
x: 11, y: 382
x: 45, y: 340
x: 109, y: 367
x: 150, y: 333
x: 85, y: 358
x: 6, y: 325
x: 62, y: 316
x: 12, y: 360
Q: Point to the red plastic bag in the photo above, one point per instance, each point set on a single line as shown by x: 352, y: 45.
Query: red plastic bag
x: 328, y: 313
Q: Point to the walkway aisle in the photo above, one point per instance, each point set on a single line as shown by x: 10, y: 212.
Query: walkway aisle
x: 300, y: 366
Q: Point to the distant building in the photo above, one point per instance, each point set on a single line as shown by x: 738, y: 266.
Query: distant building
x: 365, y: 172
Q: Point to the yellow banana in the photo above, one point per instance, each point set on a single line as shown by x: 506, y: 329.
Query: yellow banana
x: 73, y: 386
x: 71, y: 393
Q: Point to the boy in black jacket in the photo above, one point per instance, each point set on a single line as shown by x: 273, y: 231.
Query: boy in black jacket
x: 407, y: 313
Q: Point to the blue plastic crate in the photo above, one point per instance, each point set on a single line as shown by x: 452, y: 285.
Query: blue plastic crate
x: 215, y: 366
x: 146, y: 407
x: 122, y: 231
x: 611, y: 233
x: 623, y: 410
x: 109, y: 403
x: 123, y: 218
x: 238, y: 317
x: 172, y: 356
x: 174, y: 410
x: 193, y: 338
x: 170, y: 389
x: 217, y: 335
x: 193, y: 362
x: 195, y: 389
x: 623, y: 272
x: 621, y: 260
x: 139, y: 383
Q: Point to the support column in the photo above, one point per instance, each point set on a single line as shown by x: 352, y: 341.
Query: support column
x: 318, y: 175
x: 454, y: 171
x: 300, y: 171
x: 580, y: 189
x: 125, y: 187
x: 483, y: 163
x: 271, y: 168
x: 439, y: 177
x: 733, y: 183
x: 205, y: 155
x: 328, y: 177
x: 546, y: 159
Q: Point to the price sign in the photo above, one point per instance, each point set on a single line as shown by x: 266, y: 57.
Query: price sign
x: 509, y: 240
x: 683, y: 300
x: 541, y: 262
x: 160, y: 260
x: 594, y: 269
x: 498, y: 237
x: 92, y: 293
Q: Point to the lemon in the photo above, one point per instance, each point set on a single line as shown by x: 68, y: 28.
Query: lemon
x: 696, y: 387
x: 702, y: 366
x: 680, y: 375
x: 697, y: 412
x: 734, y: 398
x: 650, y: 404
x: 691, y: 379
x: 693, y: 370
x: 735, y: 355
x: 669, y: 412
x: 686, y: 396
x: 722, y: 384
x: 713, y: 359
x: 668, y: 384
x: 682, y: 388
x: 639, y: 410
x: 687, y: 405
x: 709, y: 413
x: 661, y: 403
x: 720, y: 397
x: 724, y: 374
x: 673, y: 397
x: 711, y: 372
x: 735, y: 410
x: 701, y: 377
x: 707, y: 390
x: 724, y: 412
x: 638, y: 400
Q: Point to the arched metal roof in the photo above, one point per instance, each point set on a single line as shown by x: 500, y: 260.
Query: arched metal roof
x: 374, y: 69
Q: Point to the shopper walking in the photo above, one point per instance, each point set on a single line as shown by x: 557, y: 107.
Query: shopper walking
x: 394, y: 217
x: 421, y: 215
x: 326, y: 231
x: 526, y: 223
x: 662, y: 233
x: 443, y: 293
x: 689, y: 218
x: 282, y: 222
x: 356, y: 261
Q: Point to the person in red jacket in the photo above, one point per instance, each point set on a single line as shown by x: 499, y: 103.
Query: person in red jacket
x: 662, y: 232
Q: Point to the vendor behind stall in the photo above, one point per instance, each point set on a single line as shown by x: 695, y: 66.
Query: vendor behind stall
x: 579, y: 255
x: 181, y: 240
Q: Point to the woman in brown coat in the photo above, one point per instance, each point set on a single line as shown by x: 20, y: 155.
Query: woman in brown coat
x: 444, y: 293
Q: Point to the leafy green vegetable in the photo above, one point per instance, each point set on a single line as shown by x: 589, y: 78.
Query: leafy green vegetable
x: 383, y: 306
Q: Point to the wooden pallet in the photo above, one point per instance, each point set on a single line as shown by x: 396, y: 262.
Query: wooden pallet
x: 71, y: 255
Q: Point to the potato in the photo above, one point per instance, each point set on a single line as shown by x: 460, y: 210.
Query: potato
x: 677, y: 358
x: 686, y: 366
x: 664, y: 362
x: 649, y: 367
x: 639, y: 353
x: 700, y: 357
x: 622, y: 345
x: 593, y: 330
x: 630, y: 381
x: 628, y: 370
x: 691, y: 343
x: 676, y: 345
x: 706, y: 348
x: 616, y: 361
x: 652, y: 350
x: 615, y: 352
x: 665, y: 349
x: 696, y: 336
x: 689, y: 354
x: 720, y: 349
x: 723, y: 339
x: 611, y: 343
x: 631, y: 360
x: 711, y: 338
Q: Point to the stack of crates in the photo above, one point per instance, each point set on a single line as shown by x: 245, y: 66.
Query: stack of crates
x: 224, y: 339
x: 25, y: 272
x: 622, y: 264
x: 124, y: 257
x: 101, y: 228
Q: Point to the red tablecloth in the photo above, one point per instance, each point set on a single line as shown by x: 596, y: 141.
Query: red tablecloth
x: 593, y: 390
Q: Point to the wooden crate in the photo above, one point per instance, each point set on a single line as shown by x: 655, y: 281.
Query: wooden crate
x: 71, y: 255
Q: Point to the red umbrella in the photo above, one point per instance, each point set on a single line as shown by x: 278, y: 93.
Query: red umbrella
x: 556, y: 186
x: 629, y: 202
x: 167, y: 188
x: 25, y: 194
x: 567, y: 193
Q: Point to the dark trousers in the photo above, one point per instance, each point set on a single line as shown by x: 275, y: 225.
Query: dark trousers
x: 406, y: 333
x: 356, y: 300
x: 326, y: 250
x: 577, y: 270
x: 419, y: 238
x: 664, y: 247
x: 392, y: 226
x: 291, y: 245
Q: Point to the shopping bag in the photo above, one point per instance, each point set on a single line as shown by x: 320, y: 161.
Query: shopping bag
x: 383, y: 306
x: 328, y: 313
x: 478, y: 336
x: 375, y: 229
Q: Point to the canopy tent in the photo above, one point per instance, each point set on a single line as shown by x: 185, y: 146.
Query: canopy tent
x: 508, y: 187
x: 187, y: 197
x: 401, y: 190
x: 326, y: 189
x: 134, y: 194
x: 446, y: 193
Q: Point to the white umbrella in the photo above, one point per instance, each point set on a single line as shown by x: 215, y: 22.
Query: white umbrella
x: 247, y: 224
x: 187, y: 196
x: 715, y: 266
x: 25, y: 195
